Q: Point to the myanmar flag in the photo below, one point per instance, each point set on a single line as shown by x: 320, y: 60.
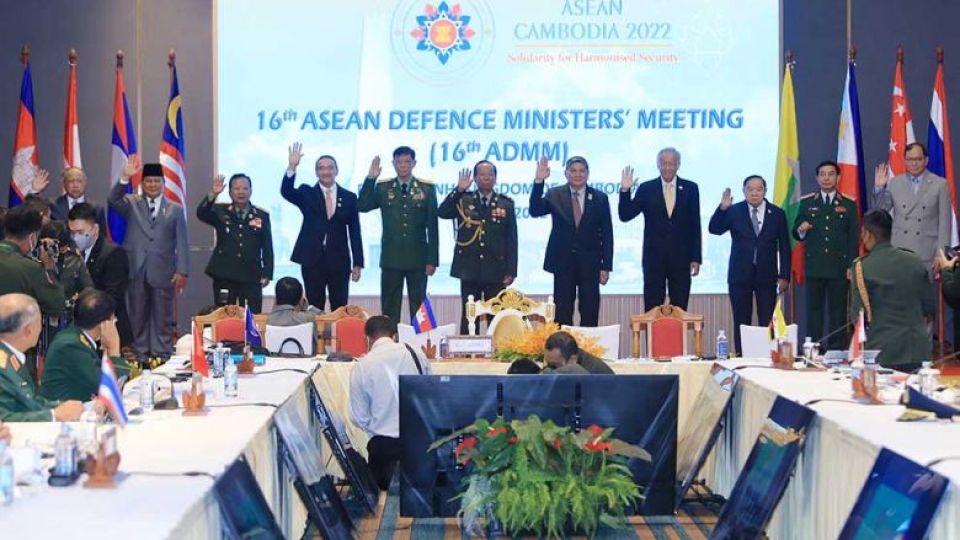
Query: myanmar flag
x: 786, y: 184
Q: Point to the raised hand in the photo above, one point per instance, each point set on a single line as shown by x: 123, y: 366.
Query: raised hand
x: 218, y: 183
x: 40, y: 181
x: 466, y: 178
x: 626, y: 179
x: 295, y: 154
x: 543, y: 170
x: 109, y: 337
x: 375, y: 168
x: 881, y: 175
x: 131, y: 167
x: 726, y: 200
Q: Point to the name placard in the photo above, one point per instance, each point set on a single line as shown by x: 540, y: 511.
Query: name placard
x: 469, y: 345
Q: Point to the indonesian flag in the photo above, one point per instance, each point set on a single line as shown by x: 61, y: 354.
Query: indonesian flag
x: 198, y: 357
x: 938, y: 144
x: 850, y: 144
x: 858, y: 339
x: 71, y: 127
x: 901, y: 122
x: 423, y: 320
x: 25, y: 159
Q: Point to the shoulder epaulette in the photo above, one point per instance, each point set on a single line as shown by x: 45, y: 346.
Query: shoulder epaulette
x: 809, y: 195
x: 424, y: 181
x: 3, y: 359
x: 506, y: 197
x: 847, y: 197
x: 382, y: 180
x: 261, y: 209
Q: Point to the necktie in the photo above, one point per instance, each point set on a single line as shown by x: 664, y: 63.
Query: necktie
x: 829, y: 200
x: 152, y: 206
x: 577, y: 211
x: 669, y: 199
x: 756, y: 220
x: 915, y: 180
x: 403, y: 189
x: 329, y: 199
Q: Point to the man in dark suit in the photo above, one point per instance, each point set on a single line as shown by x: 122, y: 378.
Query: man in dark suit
x: 671, y: 230
x: 759, y: 241
x: 242, y: 259
x: 73, y: 366
x: 330, y: 218
x: 159, y: 253
x: 106, y: 262
x: 74, y: 193
x: 580, y: 248
x: 485, y: 255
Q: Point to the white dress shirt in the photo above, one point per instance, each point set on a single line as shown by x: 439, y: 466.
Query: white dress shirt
x: 761, y: 214
x: 375, y: 386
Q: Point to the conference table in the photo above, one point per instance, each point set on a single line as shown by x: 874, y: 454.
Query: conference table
x: 170, y: 460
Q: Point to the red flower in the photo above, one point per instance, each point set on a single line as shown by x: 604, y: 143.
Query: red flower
x: 493, y: 432
x: 595, y: 430
x: 597, y: 446
x: 512, y: 439
x: 556, y: 443
x: 470, y: 442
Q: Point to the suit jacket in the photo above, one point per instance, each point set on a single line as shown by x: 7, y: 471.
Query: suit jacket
x: 310, y: 248
x: 486, y: 243
x: 19, y: 401
x: 110, y: 270
x: 161, y: 247
x: 591, y: 243
x: 921, y: 222
x: 593, y: 364
x: 72, y: 369
x: 898, y: 289
x: 771, y: 246
x: 244, y: 248
x: 676, y: 237
x: 60, y: 210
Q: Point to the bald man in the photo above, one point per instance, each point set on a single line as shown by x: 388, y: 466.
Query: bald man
x: 20, y: 325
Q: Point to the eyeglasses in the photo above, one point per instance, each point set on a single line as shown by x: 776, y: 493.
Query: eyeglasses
x: 914, y: 159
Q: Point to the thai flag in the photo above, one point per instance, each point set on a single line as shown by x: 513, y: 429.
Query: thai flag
x: 423, y: 320
x: 124, y: 145
x: 109, y: 393
x: 71, y: 126
x: 850, y: 144
x: 938, y: 143
x: 172, y: 154
x: 252, y: 334
x: 25, y: 159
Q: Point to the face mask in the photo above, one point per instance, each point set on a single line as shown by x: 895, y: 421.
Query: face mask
x: 82, y: 240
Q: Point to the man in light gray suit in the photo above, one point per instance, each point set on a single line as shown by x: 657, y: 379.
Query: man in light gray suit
x: 156, y: 243
x: 919, y: 202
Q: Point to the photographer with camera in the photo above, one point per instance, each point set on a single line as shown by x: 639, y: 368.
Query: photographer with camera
x: 22, y: 273
x: 56, y: 242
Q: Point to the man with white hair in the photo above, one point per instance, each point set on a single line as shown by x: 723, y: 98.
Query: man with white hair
x: 20, y: 325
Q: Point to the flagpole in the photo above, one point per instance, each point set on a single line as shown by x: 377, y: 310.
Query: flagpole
x: 171, y: 63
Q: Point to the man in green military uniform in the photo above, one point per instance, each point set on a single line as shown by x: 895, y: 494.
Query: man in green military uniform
x: 72, y: 370
x: 892, y: 287
x: 20, y: 324
x: 21, y: 274
x: 485, y: 256
x: 408, y: 243
x: 827, y: 225
x: 242, y: 260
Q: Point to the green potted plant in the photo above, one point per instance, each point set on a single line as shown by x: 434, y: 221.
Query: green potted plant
x: 541, y: 478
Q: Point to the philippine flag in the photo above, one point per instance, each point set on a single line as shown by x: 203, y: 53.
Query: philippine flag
x: 109, y: 393
x: 423, y: 320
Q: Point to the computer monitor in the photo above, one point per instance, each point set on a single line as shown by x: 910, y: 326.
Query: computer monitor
x: 244, y: 509
x: 642, y: 408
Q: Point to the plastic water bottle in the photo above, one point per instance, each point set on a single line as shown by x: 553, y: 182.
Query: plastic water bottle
x: 723, y: 346
x: 218, y: 359
x: 89, y: 420
x: 146, y: 391
x: 928, y: 379
x: 870, y: 374
x: 808, y: 348
x: 444, y: 347
x: 65, y: 452
x: 6, y: 474
x: 230, y: 379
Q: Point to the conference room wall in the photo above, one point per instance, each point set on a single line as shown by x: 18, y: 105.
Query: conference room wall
x: 814, y: 29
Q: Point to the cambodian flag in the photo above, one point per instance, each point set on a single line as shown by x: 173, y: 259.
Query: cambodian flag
x: 172, y: 154
x: 423, y: 320
x: 124, y: 145
x: 253, y: 335
x: 938, y: 143
x: 25, y: 159
x: 109, y: 393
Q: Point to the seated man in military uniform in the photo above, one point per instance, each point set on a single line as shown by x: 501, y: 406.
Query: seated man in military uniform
x: 73, y: 360
x: 20, y: 325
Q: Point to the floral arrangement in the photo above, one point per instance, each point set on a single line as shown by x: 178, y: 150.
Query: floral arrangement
x: 530, y: 344
x: 541, y: 478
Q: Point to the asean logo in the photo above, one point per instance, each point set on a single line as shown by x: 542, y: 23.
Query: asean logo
x: 438, y: 43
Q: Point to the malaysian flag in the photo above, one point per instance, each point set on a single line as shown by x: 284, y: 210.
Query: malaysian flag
x: 25, y: 160
x: 109, y: 393
x: 124, y: 144
x: 172, y: 155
